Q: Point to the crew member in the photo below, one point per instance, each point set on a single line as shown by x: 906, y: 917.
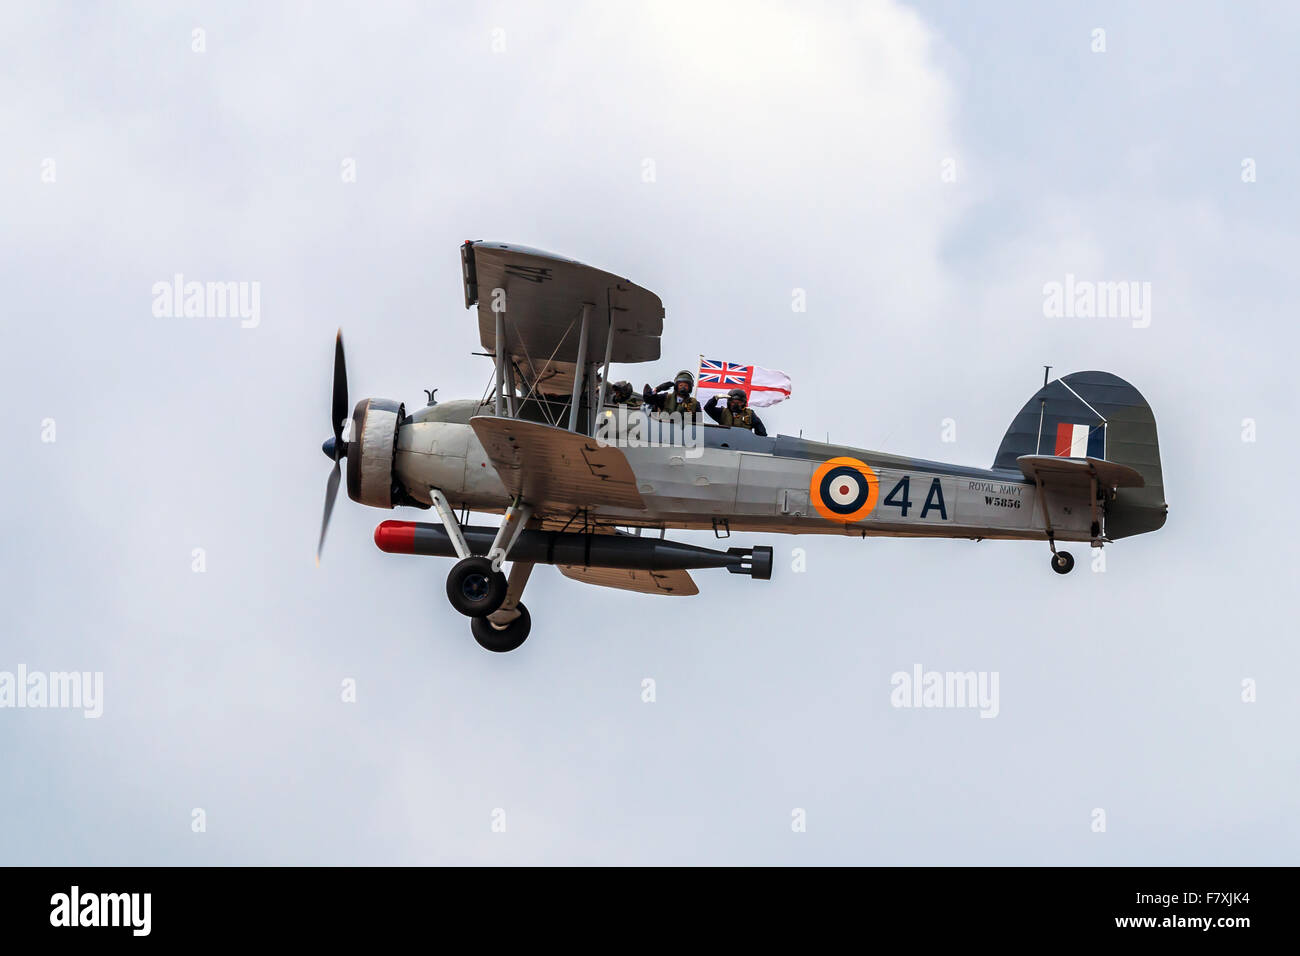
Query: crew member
x: 678, y: 397
x: 736, y: 413
x: 620, y: 393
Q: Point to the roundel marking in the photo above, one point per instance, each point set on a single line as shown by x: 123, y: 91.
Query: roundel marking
x: 844, y: 489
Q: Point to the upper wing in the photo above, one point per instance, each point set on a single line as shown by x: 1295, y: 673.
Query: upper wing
x: 549, y: 467
x: 1079, y: 471
x: 540, y: 303
x: 645, y: 582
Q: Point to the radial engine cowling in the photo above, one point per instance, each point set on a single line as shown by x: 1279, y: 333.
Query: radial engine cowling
x: 370, y: 453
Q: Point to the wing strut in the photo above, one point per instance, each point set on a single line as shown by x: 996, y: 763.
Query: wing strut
x: 604, y: 375
x: 500, y: 349
x: 510, y: 386
x: 579, y: 365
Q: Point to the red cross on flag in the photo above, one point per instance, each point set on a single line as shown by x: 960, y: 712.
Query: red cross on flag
x: 763, y: 386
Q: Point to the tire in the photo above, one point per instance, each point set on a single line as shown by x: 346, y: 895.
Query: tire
x: 474, y: 589
x: 502, y: 639
x: 1062, y: 562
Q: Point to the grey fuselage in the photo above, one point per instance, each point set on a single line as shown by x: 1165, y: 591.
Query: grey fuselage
x: 752, y: 483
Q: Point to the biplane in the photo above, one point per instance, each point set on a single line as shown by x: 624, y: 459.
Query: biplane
x: 594, y: 489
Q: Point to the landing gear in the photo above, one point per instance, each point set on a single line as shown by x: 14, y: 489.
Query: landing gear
x: 476, y: 586
x: 500, y: 639
x: 474, y: 589
x: 507, y: 627
x: 1062, y: 561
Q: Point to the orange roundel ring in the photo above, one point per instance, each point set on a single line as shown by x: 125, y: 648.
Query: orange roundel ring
x: 844, y: 489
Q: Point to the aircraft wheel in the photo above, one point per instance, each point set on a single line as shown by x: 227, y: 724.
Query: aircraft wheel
x: 1062, y: 562
x: 502, y: 639
x: 474, y: 589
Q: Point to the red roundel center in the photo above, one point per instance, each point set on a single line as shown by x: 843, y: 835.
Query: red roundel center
x: 844, y: 489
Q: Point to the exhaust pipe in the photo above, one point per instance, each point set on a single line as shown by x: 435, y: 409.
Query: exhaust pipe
x: 618, y: 550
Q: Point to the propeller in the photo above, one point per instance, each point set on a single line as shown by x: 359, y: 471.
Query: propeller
x: 335, y: 447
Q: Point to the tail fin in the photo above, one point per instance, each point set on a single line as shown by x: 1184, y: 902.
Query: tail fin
x: 1097, y: 415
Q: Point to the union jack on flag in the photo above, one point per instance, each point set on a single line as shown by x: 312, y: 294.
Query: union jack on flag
x: 725, y: 374
x: 762, y: 386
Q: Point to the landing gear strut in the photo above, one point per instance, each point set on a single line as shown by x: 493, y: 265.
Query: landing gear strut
x: 508, y: 626
x: 1062, y: 561
x: 476, y: 586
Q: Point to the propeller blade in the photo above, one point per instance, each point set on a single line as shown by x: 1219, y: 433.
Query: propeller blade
x: 331, y: 492
x: 339, y: 410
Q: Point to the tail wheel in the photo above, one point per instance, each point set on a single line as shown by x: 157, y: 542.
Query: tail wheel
x: 1062, y: 562
x: 502, y: 639
x: 474, y: 589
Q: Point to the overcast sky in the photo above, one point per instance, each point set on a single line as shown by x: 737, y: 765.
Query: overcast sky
x: 920, y: 171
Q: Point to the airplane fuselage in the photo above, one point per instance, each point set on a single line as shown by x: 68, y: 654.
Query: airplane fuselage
x: 742, y: 482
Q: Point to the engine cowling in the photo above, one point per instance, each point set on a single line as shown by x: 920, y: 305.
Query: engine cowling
x: 371, y: 450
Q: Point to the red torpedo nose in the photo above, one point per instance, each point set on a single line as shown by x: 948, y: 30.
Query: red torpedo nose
x: 396, y: 537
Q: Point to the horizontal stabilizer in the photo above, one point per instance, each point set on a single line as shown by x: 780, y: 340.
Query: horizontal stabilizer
x: 1056, y: 471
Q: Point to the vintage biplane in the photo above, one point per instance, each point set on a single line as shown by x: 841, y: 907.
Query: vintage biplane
x: 578, y: 489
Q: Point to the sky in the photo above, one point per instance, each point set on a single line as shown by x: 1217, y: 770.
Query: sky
x: 913, y: 174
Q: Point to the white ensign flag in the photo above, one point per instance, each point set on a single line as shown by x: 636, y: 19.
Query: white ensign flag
x: 763, y: 386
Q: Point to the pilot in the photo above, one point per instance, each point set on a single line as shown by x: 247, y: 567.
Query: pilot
x: 620, y: 393
x: 736, y: 413
x: 678, y: 399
